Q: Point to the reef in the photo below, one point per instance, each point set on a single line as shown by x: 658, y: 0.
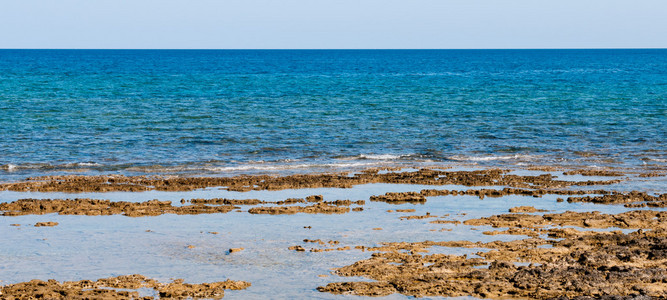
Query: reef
x: 108, y: 183
x: 93, y: 207
x: 400, y: 198
x: 559, y: 255
x: 525, y: 209
x: 121, y: 287
x: 630, y: 219
x: 319, y: 208
x: 46, y: 224
x: 611, y: 265
x: 593, y: 172
x: 630, y: 199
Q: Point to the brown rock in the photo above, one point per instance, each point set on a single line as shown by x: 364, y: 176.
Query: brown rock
x: 593, y: 172
x: 318, y: 208
x: 46, y: 224
x: 106, y: 288
x: 108, y: 183
x: 400, y: 198
x: 572, y: 267
x: 525, y: 209
x: 94, y: 207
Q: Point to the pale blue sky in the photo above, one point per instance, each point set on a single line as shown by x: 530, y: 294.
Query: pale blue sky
x: 294, y: 24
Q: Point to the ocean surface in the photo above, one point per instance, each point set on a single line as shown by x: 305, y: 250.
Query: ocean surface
x: 219, y: 112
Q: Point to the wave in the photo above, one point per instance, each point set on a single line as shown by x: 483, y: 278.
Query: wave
x: 248, y: 167
x: 29, y: 166
x: 521, y: 157
x: 83, y: 164
x: 44, y: 166
x: 8, y: 167
x: 328, y: 164
x: 374, y: 157
x: 385, y: 157
x: 655, y: 159
x: 207, y: 167
x: 286, y: 164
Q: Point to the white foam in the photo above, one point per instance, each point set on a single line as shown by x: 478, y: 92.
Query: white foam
x: 493, y: 157
x: 79, y: 164
x: 43, y: 166
x: 287, y: 167
x: 88, y: 164
x: 249, y: 167
x: 8, y: 167
x: 376, y: 157
x: 381, y: 156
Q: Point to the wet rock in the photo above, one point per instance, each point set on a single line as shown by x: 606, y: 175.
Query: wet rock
x: 108, y: 183
x: 318, y: 208
x: 621, y: 198
x: 215, y: 290
x: 315, y: 198
x: 94, y: 207
x: 583, y: 264
x: 456, y: 222
x: 593, y: 172
x: 652, y: 174
x: 345, y: 202
x: 631, y: 219
x: 297, y: 248
x: 543, y: 168
x: 224, y: 201
x: 107, y: 288
x: 291, y: 201
x: 402, y: 210
x: 400, y: 198
x: 525, y: 209
x: 482, y: 193
x: 46, y: 224
x: 516, y: 231
x: 426, y: 216
x: 314, y: 241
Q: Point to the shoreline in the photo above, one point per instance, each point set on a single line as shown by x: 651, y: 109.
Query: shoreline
x: 18, y: 172
x: 426, y: 176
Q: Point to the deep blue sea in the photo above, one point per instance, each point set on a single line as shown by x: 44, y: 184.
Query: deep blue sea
x: 243, y: 111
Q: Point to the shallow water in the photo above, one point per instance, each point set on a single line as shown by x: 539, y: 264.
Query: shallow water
x: 91, y: 247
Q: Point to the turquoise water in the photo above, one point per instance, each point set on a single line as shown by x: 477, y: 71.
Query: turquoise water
x: 220, y: 112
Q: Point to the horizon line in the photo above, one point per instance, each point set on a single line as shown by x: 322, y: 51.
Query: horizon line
x: 325, y: 49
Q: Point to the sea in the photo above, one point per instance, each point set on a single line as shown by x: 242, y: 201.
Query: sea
x: 222, y: 112
x: 231, y: 112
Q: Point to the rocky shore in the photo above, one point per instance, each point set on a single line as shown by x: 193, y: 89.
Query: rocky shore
x: 552, y: 255
x: 120, y: 287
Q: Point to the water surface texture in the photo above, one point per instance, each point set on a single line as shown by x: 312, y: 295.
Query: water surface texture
x: 222, y: 111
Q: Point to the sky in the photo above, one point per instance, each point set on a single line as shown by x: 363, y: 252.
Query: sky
x: 332, y: 24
